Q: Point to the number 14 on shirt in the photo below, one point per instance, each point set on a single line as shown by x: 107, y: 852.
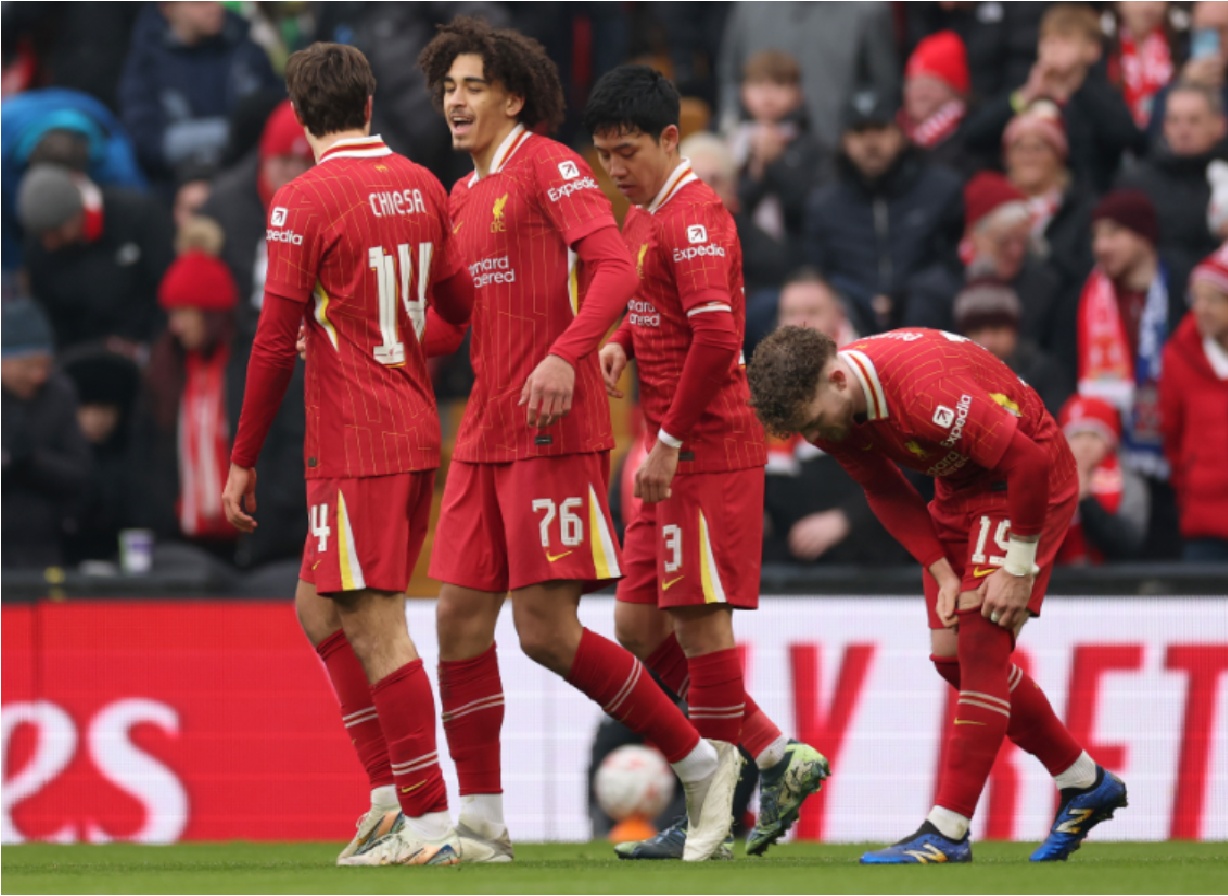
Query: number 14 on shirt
x: 391, y: 351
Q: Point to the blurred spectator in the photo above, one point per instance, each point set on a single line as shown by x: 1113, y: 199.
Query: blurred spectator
x: 997, y: 228
x: 239, y: 204
x: 183, y: 425
x: 94, y: 256
x: 766, y: 261
x: 936, y: 89
x: 779, y: 161
x: 45, y: 458
x: 1034, y: 149
x: 1095, y: 119
x: 694, y: 45
x: 1129, y: 308
x: 1194, y: 413
x: 59, y: 127
x: 1111, y: 519
x: 191, y: 194
x: 841, y: 46
x: 77, y: 46
x: 888, y: 217
x: 1141, y: 55
x: 1175, y: 175
x: 816, y: 513
x: 1000, y: 38
x: 107, y: 385
x: 987, y: 312
x: 1208, y: 59
x: 190, y: 64
x: 1217, y: 205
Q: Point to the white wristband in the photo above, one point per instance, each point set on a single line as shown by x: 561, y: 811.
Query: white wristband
x: 666, y: 439
x: 1021, y: 558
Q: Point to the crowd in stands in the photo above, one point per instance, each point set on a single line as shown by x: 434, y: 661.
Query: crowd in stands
x: 1048, y: 180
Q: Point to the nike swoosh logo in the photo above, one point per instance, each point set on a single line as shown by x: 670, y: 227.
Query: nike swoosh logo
x: 412, y: 789
x: 981, y: 572
x: 553, y: 557
x: 457, y: 226
x: 967, y: 722
x: 665, y: 586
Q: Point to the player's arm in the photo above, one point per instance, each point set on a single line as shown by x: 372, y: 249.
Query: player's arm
x: 617, y: 351
x: 439, y: 337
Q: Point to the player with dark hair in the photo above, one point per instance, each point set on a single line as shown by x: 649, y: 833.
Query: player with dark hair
x: 358, y: 246
x: 693, y: 552
x: 525, y: 511
x: 1006, y: 489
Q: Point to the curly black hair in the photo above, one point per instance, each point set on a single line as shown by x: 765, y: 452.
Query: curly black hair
x: 784, y: 373
x: 517, y: 62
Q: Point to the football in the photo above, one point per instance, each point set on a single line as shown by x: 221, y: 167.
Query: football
x: 634, y: 780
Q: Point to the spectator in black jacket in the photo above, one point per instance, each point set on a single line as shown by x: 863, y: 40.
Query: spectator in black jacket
x: 46, y: 461
x: 1175, y: 175
x: 94, y: 256
x: 888, y: 218
x: 1095, y: 117
x: 987, y: 312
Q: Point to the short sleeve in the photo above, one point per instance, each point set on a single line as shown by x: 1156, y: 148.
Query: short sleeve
x: 955, y: 412
x: 702, y: 244
x: 570, y: 195
x: 294, y: 235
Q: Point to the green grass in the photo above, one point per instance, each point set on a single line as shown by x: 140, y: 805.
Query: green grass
x: 590, y: 868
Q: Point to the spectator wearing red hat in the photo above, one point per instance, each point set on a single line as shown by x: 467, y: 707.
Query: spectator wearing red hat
x: 1111, y: 519
x: 1194, y: 412
x: 183, y: 419
x: 1096, y: 120
x: 936, y: 100
x: 1129, y: 307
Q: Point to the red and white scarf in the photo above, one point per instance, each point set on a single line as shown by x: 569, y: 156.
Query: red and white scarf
x: 1146, y: 66
x: 938, y: 127
x: 204, y: 446
x: 1106, y: 488
x: 1107, y: 370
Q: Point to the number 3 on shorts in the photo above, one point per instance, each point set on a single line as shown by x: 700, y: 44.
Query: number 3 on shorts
x: 571, y: 524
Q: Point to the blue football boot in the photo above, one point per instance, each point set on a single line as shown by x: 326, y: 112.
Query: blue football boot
x: 926, y: 847
x: 1080, y: 811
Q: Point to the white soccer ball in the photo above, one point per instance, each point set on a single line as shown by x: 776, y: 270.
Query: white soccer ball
x: 634, y: 780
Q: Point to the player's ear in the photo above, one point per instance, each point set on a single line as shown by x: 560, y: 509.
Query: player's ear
x: 669, y: 138
x: 514, y: 105
x: 367, y: 110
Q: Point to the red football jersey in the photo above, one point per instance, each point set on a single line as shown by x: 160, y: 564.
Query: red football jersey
x: 513, y: 228
x: 940, y: 404
x: 686, y: 248
x: 359, y: 238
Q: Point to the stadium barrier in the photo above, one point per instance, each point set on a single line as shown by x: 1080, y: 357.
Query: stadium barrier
x: 159, y: 721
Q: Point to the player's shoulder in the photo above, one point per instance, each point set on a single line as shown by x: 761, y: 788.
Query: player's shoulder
x: 696, y: 208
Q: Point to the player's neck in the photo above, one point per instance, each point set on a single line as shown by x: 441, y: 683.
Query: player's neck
x: 484, y: 158
x: 857, y: 394
x: 321, y: 145
x: 668, y: 168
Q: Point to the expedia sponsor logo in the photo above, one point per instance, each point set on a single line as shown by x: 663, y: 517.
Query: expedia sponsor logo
x: 279, y: 216
x: 569, y: 170
x: 284, y: 236
x: 696, y: 234
x: 948, y: 465
x: 492, y: 270
x: 690, y: 252
x: 584, y: 183
x: 944, y: 416
x: 643, y: 314
x: 961, y: 417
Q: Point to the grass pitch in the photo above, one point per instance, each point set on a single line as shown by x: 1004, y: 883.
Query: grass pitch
x: 592, y: 868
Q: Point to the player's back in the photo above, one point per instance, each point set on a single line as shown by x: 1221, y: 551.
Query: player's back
x: 363, y: 230
x: 689, y: 262
x: 513, y: 228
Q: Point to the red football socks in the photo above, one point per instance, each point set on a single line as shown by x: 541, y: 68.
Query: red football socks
x: 407, y: 716
x: 471, y: 694
x: 981, y: 714
x: 717, y: 701
x: 357, y: 711
x: 620, y: 684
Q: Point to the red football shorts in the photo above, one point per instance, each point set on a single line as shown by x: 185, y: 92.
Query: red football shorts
x: 974, y: 536
x: 701, y: 545
x: 511, y: 525
x: 366, y: 533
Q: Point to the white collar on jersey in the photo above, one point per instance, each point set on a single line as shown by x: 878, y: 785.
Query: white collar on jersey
x: 357, y: 148
x: 863, y: 368
x: 678, y: 178
x: 506, y: 150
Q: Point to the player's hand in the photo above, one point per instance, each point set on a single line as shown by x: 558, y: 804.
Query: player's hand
x: 948, y: 591
x: 548, y: 391
x: 240, y: 493
x: 813, y: 536
x: 1004, y: 598
x: 300, y: 344
x: 653, y: 478
x: 613, y: 362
